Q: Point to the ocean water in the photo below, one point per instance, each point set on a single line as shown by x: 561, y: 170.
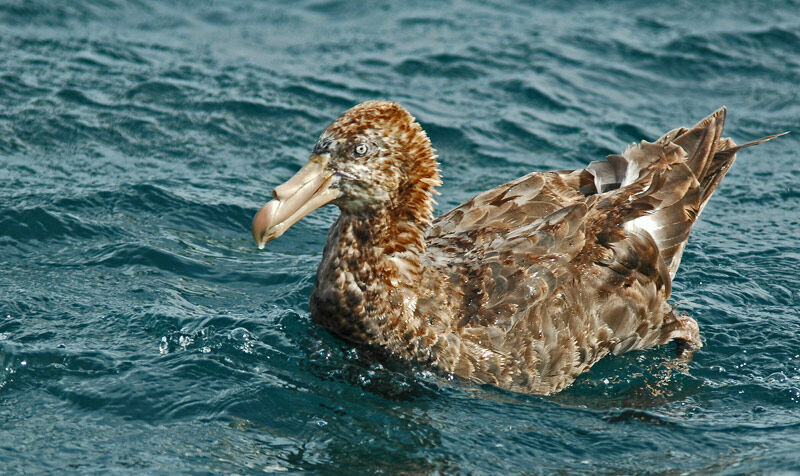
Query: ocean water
x: 142, y: 332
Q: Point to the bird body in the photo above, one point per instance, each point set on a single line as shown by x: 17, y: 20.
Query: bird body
x: 525, y: 286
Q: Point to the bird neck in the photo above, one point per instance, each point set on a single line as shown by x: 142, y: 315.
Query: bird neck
x: 373, y: 264
x: 388, y: 244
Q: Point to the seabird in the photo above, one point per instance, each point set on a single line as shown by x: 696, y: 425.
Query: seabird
x: 524, y: 286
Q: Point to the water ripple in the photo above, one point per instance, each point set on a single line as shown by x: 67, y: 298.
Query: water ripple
x: 142, y: 331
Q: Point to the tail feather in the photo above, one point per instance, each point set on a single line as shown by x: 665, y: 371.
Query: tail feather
x: 700, y: 141
x: 684, y: 167
x: 721, y: 163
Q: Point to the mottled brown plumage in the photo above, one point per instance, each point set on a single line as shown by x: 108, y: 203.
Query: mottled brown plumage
x: 526, y: 285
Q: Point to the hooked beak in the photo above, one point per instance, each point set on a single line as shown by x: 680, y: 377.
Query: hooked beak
x: 309, y: 189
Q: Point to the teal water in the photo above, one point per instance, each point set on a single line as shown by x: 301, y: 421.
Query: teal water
x: 142, y: 332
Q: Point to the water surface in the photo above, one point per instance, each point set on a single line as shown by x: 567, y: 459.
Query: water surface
x: 141, y: 331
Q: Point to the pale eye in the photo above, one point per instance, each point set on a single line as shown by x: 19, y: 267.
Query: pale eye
x: 361, y: 149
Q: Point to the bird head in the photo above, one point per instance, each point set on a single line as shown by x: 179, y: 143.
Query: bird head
x: 375, y: 156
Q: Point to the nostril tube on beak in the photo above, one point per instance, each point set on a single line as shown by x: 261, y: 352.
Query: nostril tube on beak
x: 307, y: 190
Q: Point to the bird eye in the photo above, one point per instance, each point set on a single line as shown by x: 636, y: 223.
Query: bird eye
x: 361, y: 149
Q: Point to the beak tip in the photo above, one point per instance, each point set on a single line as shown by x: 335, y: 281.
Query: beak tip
x: 261, y: 238
x: 262, y: 222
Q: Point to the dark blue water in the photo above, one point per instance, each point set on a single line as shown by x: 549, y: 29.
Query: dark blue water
x: 141, y: 331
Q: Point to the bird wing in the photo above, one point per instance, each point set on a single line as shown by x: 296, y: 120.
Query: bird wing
x: 555, y: 270
x: 508, y: 248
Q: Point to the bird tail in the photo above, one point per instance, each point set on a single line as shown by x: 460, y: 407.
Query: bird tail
x: 680, y: 172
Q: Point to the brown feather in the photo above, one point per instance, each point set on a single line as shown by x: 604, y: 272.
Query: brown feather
x: 524, y: 286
